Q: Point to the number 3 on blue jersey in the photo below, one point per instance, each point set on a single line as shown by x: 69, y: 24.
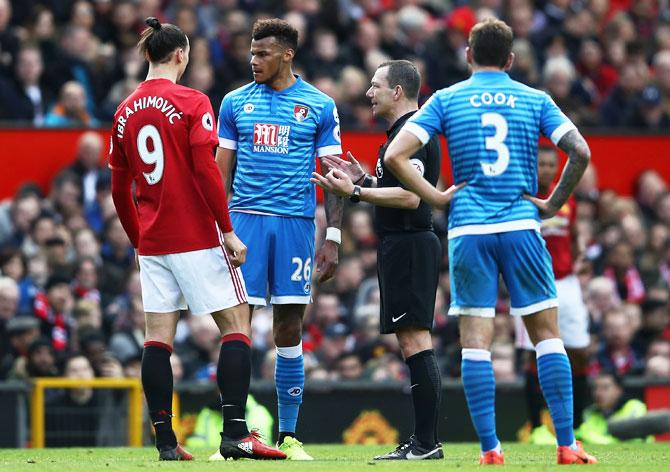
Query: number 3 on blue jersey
x: 496, y: 143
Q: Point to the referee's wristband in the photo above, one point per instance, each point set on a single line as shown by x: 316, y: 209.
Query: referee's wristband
x: 334, y: 234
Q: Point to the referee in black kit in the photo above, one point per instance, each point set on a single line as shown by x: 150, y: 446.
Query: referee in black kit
x: 409, y: 252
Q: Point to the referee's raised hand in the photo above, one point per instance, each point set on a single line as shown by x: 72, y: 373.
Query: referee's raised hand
x: 336, y: 182
x: 351, y: 167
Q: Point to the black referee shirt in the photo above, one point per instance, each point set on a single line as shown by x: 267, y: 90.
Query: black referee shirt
x: 427, y: 162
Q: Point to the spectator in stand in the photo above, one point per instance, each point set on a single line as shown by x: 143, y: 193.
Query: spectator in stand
x: 23, y: 211
x: 87, y: 165
x: 128, y: 343
x: 9, y: 39
x: 655, y: 324
x: 622, y: 271
x: 609, y: 403
x: 616, y: 352
x: 649, y: 113
x: 118, y: 256
x: 9, y: 302
x: 24, y: 98
x: 348, y: 367
x: 620, y: 103
x: 658, y: 359
x: 85, y: 283
x: 70, y: 110
x: 21, y: 331
x: 84, y: 416
x: 40, y: 361
x: 53, y: 309
x: 559, y: 80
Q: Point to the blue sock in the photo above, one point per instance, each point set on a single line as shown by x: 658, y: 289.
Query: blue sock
x: 290, y: 383
x: 553, y: 368
x: 480, y: 392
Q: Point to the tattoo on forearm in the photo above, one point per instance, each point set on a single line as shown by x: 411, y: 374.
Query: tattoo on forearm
x: 333, y: 204
x: 579, y: 154
x: 334, y: 207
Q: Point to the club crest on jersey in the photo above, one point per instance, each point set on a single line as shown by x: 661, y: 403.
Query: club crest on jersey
x: 300, y: 112
x: 271, y: 138
x: 248, y: 108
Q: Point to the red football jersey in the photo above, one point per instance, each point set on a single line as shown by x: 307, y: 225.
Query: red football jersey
x: 154, y: 130
x: 558, y: 233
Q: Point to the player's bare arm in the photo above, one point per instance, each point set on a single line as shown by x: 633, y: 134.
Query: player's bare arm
x: 225, y: 160
x: 326, y: 256
x: 397, y: 157
x: 579, y: 155
x: 339, y: 183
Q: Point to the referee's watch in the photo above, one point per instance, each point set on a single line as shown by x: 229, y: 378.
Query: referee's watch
x: 355, y: 196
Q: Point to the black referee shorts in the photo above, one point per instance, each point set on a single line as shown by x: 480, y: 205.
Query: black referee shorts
x: 408, y: 267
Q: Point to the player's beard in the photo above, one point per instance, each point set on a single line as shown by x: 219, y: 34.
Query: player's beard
x: 269, y: 78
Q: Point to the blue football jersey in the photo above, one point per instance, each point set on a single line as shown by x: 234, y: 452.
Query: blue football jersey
x: 278, y: 136
x: 492, y: 125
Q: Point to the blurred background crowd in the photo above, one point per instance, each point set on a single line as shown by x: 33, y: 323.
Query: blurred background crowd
x: 71, y: 62
x: 69, y: 282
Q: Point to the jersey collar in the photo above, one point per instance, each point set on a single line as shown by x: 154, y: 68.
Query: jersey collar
x: 398, y: 123
x: 298, y: 82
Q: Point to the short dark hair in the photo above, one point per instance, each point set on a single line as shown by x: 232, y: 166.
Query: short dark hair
x: 280, y: 29
x: 405, y: 74
x: 159, y: 41
x: 491, y: 42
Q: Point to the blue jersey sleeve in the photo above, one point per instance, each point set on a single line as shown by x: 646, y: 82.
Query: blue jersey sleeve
x: 553, y: 122
x: 328, y: 141
x: 428, y: 121
x: 227, y: 128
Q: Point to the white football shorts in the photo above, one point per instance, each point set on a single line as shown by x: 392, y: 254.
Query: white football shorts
x: 573, y: 317
x: 204, y: 281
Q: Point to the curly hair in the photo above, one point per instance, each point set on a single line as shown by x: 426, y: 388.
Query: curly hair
x: 281, y: 30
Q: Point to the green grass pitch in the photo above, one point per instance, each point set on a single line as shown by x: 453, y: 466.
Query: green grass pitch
x: 460, y: 457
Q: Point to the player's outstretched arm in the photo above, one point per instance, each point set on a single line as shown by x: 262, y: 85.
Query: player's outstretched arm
x: 397, y: 157
x: 327, y: 255
x: 208, y: 176
x: 122, y: 195
x: 579, y: 155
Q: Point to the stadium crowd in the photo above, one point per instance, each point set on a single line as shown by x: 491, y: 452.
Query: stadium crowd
x: 69, y: 63
x: 69, y: 281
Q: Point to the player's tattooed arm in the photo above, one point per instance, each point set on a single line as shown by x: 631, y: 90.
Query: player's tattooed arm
x: 579, y: 155
x: 327, y: 255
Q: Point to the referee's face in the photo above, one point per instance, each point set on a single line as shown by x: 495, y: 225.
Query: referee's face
x: 380, y: 94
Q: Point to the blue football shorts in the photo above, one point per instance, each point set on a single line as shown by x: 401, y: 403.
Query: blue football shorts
x: 521, y: 257
x: 279, y: 257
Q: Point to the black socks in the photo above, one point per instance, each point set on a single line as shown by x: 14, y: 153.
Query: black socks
x: 157, y: 383
x: 426, y: 385
x: 232, y: 375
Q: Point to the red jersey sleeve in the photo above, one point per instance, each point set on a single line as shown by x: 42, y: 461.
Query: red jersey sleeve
x: 202, y: 128
x: 117, y: 160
